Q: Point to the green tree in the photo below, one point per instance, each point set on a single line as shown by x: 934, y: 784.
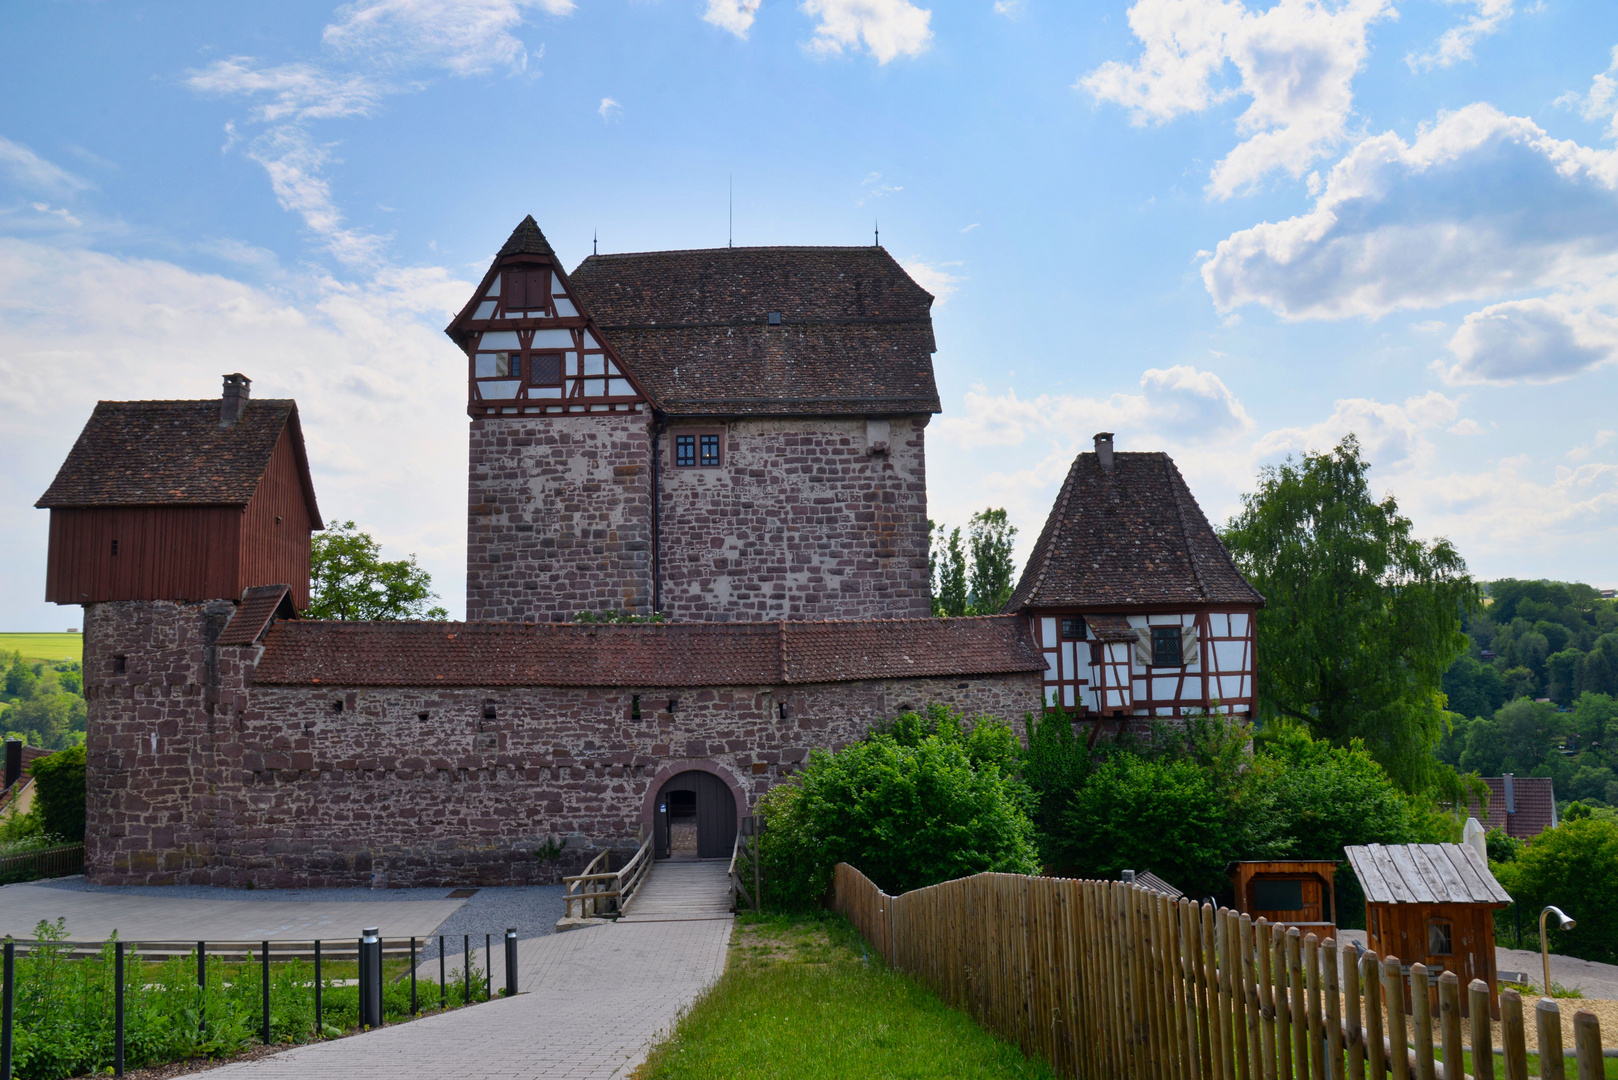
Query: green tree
x: 1575, y: 867
x: 994, y: 576
x: 1363, y: 619
x: 350, y: 580
x: 20, y: 678
x: 948, y: 562
x: 49, y: 720
x: 1593, y: 716
x: 59, y: 793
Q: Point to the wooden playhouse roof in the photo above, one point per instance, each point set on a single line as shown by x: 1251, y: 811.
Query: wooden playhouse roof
x: 1424, y: 874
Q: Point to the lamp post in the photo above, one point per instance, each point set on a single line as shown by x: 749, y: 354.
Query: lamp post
x: 1564, y: 923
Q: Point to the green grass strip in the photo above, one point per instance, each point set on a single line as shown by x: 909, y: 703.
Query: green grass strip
x: 804, y: 997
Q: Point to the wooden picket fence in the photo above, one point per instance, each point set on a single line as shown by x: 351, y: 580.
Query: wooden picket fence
x: 1103, y: 980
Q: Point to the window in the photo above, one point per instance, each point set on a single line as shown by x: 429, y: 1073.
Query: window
x: 702, y: 449
x: 545, y: 369
x: 634, y: 706
x: 1166, y: 649
x: 1074, y: 630
x: 1278, y: 896
x: 1439, y: 939
x: 526, y: 288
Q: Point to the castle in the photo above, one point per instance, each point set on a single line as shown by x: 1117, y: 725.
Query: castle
x: 732, y: 440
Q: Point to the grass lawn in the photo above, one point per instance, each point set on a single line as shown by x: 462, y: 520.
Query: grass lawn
x: 800, y: 998
x: 44, y: 646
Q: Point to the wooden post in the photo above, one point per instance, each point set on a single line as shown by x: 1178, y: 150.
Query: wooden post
x: 1266, y: 995
x: 1376, y: 1053
x: 1548, y: 1022
x: 1297, y: 996
x: 1512, y: 1035
x: 1353, y: 1034
x: 1587, y: 1045
x: 1482, y: 1033
x: 1393, y: 1000
x: 1421, y: 1021
x: 1449, y: 1022
x: 1208, y: 1001
x: 1284, y: 1016
x: 1241, y: 942
x: 1334, y: 1010
x: 1188, y: 960
x: 1311, y: 974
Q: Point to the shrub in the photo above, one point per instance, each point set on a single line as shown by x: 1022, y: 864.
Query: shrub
x: 1575, y: 867
x: 918, y: 802
x: 59, y: 793
x: 1502, y: 847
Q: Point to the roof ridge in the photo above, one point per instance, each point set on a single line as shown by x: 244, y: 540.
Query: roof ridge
x: 736, y: 248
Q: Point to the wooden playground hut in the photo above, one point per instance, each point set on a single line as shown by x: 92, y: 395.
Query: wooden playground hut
x: 1294, y: 892
x: 1432, y: 904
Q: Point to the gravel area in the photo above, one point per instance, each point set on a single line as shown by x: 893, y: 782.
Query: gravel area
x: 532, y: 909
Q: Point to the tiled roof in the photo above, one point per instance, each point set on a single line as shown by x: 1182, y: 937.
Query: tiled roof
x: 676, y: 654
x: 260, y: 604
x: 153, y: 453
x: 855, y: 333
x: 1131, y: 536
x: 1424, y: 874
x: 526, y: 239
x: 1534, y: 797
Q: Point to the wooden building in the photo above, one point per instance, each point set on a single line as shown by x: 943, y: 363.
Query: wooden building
x: 1297, y: 892
x: 1133, y: 599
x: 182, y: 500
x: 1432, y: 904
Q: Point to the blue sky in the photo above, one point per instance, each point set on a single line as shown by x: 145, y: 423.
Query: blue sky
x: 1228, y: 231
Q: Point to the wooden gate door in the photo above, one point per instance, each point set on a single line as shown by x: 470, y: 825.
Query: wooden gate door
x: 716, y: 814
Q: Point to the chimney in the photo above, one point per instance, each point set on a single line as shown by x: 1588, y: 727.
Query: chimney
x: 1511, y: 793
x: 234, y: 401
x: 13, y: 761
x: 1104, y: 450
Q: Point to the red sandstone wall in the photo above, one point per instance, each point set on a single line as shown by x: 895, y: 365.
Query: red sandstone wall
x: 559, y: 517
x: 800, y: 522
x: 274, y: 786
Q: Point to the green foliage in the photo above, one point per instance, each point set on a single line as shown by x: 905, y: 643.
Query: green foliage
x: 1186, y: 802
x: 59, y: 793
x: 1575, y: 867
x: 1502, y: 847
x: 1362, y: 620
x: 947, y: 565
x: 64, y: 1007
x: 922, y: 801
x: 614, y: 617
x: 994, y: 575
x: 349, y: 579
x: 44, y: 705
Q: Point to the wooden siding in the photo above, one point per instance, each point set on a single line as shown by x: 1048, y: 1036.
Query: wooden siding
x: 275, y: 528
x: 1315, y: 879
x: 164, y: 553
x: 1401, y: 930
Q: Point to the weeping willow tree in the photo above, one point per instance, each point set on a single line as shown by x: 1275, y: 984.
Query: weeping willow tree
x: 1362, y: 620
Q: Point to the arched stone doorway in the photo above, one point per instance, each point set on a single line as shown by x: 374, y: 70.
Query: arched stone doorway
x: 694, y: 817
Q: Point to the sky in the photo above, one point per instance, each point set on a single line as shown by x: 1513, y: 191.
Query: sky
x: 1231, y: 231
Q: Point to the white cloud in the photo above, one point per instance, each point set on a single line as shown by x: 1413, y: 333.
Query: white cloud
x: 888, y: 28
x: 1456, y: 43
x: 1480, y: 206
x: 1602, y: 438
x: 1296, y: 61
x: 32, y: 171
x: 57, y: 212
x: 934, y: 277
x: 1601, y: 103
x: 735, y: 16
x: 610, y: 109
x: 294, y: 91
x: 378, y: 386
x: 466, y: 37
x: 972, y: 226
x: 1393, y: 436
x: 1011, y: 9
x: 1466, y: 426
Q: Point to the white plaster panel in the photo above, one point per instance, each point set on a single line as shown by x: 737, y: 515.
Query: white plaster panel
x: 1238, y: 625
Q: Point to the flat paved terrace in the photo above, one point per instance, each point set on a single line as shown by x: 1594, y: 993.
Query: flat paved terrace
x: 593, y: 1000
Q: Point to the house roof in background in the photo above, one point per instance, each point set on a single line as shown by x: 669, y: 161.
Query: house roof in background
x: 1535, y: 798
x: 1424, y: 874
x: 1132, y: 536
x: 174, y: 453
x: 855, y: 334
x: 660, y: 655
x: 526, y: 239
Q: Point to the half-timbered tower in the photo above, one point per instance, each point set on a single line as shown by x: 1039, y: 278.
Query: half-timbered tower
x: 1132, y: 597
x: 182, y: 500
x: 733, y: 434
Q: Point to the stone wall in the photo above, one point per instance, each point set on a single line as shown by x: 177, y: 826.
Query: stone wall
x: 331, y: 785
x: 558, y: 517
x: 801, y: 521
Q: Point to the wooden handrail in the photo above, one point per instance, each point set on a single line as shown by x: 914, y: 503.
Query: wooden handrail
x: 592, y: 899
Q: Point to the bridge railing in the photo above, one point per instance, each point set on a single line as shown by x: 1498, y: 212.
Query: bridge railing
x: 598, y: 891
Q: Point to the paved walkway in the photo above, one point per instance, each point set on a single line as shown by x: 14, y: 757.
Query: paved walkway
x: 1593, y: 979
x: 593, y: 1000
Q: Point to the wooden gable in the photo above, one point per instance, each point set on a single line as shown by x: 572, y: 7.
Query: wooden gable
x: 532, y: 348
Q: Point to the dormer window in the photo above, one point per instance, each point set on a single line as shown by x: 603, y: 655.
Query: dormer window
x: 526, y: 288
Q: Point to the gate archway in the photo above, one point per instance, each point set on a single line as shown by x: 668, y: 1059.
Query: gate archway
x: 694, y: 817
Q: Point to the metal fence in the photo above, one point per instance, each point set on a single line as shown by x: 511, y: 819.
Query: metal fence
x: 1104, y: 979
x: 43, y: 863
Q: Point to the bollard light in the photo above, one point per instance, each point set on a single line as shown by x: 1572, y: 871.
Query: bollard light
x: 370, y: 977
x: 511, y: 962
x: 1563, y: 923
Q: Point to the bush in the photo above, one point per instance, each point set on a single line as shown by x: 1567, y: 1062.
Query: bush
x: 917, y: 802
x: 59, y: 793
x: 1502, y: 847
x: 1575, y: 867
